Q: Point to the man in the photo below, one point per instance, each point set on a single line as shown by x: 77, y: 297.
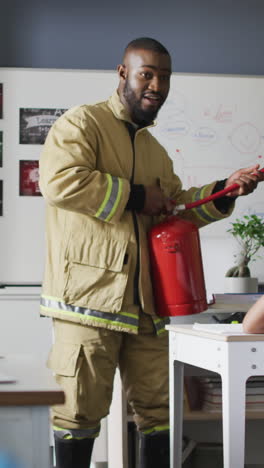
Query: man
x: 106, y: 181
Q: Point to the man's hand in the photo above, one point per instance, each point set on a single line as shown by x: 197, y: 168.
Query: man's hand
x: 247, y: 179
x: 155, y: 202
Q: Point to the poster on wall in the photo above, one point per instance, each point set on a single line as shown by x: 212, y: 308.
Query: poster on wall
x: 29, y: 178
x: 1, y: 100
x: 1, y: 198
x: 1, y: 149
x: 34, y: 124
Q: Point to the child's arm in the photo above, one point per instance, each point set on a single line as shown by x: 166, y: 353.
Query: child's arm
x: 254, y: 318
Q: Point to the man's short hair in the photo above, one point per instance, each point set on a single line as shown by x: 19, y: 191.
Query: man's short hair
x: 146, y: 43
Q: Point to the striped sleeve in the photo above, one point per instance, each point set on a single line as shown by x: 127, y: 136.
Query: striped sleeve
x: 207, y: 213
x: 111, y: 202
x: 201, y: 215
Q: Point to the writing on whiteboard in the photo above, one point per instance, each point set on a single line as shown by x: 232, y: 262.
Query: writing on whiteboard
x: 212, y: 126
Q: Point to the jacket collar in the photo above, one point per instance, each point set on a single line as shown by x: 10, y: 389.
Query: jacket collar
x: 119, y: 110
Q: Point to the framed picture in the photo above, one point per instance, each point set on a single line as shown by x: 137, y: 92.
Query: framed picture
x: 1, y: 100
x: 1, y: 149
x: 34, y: 124
x: 1, y: 198
x: 29, y: 178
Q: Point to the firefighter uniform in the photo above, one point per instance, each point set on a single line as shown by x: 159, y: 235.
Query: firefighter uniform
x: 97, y: 277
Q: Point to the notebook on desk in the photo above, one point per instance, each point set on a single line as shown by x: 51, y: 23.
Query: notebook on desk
x: 221, y: 328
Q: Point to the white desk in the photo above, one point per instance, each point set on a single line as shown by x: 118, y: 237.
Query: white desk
x: 235, y: 358
x: 24, y: 410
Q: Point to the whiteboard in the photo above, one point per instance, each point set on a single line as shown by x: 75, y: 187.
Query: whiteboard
x: 210, y: 125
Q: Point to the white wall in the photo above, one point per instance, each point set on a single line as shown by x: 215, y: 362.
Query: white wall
x: 230, y: 108
x: 218, y: 257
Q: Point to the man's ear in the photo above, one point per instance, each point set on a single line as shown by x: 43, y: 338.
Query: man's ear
x: 121, y: 69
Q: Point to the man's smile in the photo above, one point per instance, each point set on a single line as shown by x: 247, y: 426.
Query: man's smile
x: 151, y: 99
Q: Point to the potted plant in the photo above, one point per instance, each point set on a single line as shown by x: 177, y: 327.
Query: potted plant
x: 249, y: 232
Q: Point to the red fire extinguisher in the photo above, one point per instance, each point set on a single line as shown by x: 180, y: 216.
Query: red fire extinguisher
x: 177, y: 270
x: 176, y: 263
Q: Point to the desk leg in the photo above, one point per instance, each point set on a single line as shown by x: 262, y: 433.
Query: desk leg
x: 176, y: 413
x: 233, y: 390
x: 117, y: 427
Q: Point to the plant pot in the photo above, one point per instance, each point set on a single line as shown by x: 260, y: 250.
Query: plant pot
x: 241, y: 285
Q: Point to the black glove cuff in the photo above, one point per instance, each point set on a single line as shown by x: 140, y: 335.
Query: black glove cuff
x: 136, y: 199
x: 222, y: 204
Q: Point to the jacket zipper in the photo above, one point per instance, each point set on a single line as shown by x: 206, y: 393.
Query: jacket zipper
x: 132, y: 133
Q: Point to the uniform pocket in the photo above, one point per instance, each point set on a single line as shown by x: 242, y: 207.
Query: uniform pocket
x: 99, y: 252
x: 97, y: 274
x: 63, y: 358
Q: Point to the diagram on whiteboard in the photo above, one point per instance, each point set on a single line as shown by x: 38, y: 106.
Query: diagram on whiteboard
x: 246, y: 138
x: 212, y: 126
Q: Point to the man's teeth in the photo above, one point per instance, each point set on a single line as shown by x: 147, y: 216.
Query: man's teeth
x: 156, y: 98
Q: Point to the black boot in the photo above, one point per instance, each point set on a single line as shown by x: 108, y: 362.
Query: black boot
x: 73, y: 453
x: 154, y: 450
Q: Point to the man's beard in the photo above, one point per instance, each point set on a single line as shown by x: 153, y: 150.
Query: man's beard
x: 138, y: 115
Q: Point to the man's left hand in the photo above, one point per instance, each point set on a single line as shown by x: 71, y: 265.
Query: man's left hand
x: 247, y: 179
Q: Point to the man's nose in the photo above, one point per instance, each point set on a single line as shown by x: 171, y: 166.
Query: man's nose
x: 154, y: 84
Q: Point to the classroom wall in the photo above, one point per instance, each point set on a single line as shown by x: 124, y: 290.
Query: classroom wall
x: 205, y: 36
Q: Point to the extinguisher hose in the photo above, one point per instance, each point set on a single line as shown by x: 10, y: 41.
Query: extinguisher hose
x: 219, y: 194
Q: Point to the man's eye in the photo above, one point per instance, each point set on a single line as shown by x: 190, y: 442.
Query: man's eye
x: 146, y: 75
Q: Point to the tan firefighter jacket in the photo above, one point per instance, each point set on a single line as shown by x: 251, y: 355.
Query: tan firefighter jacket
x: 93, y: 243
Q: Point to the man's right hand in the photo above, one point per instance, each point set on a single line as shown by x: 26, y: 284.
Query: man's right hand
x: 155, y: 202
